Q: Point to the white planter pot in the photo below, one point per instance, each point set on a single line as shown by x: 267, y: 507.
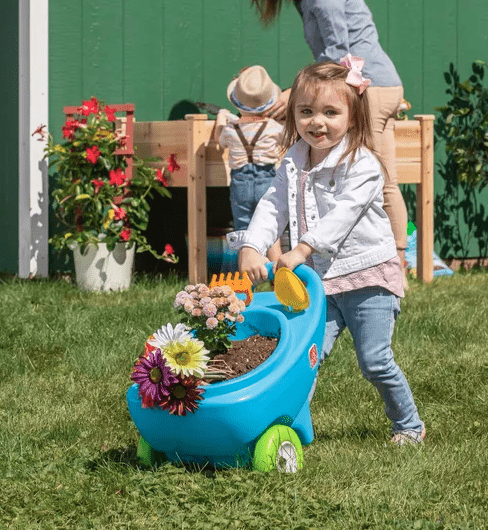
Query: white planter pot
x: 99, y: 269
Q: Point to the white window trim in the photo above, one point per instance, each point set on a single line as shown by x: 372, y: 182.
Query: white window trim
x: 33, y: 112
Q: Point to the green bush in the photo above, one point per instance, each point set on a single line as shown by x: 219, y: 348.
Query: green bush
x: 464, y: 124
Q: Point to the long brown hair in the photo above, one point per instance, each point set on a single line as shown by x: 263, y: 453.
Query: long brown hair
x: 268, y: 10
x: 311, y: 80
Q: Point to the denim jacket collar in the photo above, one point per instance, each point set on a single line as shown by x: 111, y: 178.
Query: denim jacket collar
x: 301, y: 150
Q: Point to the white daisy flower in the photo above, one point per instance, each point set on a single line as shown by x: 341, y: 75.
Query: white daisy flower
x: 167, y: 334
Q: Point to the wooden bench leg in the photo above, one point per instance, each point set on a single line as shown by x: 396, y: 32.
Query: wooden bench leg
x: 197, y: 199
x: 425, y: 201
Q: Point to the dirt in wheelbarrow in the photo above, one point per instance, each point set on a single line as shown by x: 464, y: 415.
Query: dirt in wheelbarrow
x: 247, y: 354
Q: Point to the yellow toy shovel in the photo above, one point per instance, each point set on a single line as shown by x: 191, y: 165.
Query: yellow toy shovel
x: 290, y: 290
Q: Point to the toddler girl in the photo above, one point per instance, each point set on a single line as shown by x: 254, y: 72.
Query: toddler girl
x: 253, y: 143
x: 329, y: 189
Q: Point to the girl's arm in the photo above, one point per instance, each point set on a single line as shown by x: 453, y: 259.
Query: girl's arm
x: 294, y: 257
x: 252, y: 262
x: 271, y: 215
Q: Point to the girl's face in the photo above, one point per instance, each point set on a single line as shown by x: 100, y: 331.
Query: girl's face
x: 322, y: 120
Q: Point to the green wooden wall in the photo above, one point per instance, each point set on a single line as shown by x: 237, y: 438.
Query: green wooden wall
x: 9, y: 133
x: 163, y: 55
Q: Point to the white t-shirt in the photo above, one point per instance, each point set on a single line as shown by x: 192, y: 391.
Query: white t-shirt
x: 266, y: 150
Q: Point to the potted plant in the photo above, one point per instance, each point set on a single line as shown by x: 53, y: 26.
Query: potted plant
x: 103, y: 211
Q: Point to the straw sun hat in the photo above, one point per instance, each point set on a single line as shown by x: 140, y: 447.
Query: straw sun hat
x: 253, y: 91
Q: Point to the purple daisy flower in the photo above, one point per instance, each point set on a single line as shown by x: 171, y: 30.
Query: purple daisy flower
x: 154, y: 378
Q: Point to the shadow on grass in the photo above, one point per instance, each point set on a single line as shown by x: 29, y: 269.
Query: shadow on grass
x: 126, y: 457
x: 355, y: 434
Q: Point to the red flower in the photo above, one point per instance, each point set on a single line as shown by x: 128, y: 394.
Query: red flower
x: 168, y: 249
x: 125, y: 234
x: 89, y: 107
x: 40, y: 130
x: 161, y: 178
x: 119, y: 213
x: 110, y: 112
x: 172, y: 164
x: 92, y: 154
x: 69, y: 128
x: 183, y: 397
x: 117, y: 178
x: 98, y: 184
x: 117, y: 200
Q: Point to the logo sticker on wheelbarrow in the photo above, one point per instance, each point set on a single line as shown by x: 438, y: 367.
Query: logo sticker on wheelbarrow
x: 313, y: 356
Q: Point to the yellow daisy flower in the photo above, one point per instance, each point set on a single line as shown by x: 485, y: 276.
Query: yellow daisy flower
x: 188, y: 357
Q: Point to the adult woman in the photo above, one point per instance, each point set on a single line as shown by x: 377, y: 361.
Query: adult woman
x: 333, y: 28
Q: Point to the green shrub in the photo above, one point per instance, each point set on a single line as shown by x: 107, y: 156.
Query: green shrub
x: 464, y: 124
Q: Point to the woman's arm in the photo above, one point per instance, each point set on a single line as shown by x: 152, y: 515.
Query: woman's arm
x: 278, y: 111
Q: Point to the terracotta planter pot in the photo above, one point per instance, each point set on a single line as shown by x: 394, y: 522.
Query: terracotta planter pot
x: 99, y: 269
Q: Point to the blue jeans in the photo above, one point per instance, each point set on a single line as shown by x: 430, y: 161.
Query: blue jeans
x: 248, y: 184
x: 370, y: 315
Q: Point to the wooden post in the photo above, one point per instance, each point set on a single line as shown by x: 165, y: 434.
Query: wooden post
x: 425, y: 200
x: 197, y: 199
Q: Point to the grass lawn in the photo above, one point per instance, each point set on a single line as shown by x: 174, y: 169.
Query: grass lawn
x: 68, y: 445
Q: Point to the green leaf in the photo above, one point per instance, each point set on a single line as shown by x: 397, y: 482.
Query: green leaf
x: 466, y: 85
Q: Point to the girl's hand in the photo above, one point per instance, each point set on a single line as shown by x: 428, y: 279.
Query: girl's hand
x: 295, y: 257
x: 278, y: 110
x: 252, y: 262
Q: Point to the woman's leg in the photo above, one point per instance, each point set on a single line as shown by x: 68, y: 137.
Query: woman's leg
x: 384, y: 103
x: 370, y: 315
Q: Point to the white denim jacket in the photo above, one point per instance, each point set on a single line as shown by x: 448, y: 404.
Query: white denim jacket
x: 347, y: 225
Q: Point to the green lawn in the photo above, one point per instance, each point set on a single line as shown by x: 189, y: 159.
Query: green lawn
x: 67, y: 443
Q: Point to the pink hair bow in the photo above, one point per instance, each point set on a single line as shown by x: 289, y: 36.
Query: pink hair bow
x: 354, y: 77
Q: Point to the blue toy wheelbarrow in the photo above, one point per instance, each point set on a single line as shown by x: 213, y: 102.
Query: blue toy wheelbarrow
x: 262, y: 418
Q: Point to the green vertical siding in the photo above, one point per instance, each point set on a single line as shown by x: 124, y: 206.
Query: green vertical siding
x: 163, y: 55
x: 9, y: 134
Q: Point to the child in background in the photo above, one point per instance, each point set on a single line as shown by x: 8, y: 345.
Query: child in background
x: 253, y: 143
x: 329, y: 189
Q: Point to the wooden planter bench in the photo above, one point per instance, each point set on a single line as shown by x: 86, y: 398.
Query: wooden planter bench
x: 203, y: 163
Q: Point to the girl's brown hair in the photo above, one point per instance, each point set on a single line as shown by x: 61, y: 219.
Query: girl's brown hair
x: 311, y: 80
x: 268, y: 10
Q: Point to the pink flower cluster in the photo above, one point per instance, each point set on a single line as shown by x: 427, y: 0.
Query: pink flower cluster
x: 215, y: 305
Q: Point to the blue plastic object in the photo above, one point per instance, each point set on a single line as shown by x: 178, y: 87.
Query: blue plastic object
x: 234, y: 413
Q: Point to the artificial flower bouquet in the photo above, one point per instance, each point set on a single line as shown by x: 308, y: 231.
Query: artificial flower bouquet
x: 177, y: 362
x: 93, y: 198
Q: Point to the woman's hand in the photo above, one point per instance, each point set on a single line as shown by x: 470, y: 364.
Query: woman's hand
x: 278, y: 110
x: 295, y: 257
x: 252, y: 262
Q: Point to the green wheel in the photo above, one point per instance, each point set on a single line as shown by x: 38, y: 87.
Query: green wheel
x: 147, y: 456
x: 278, y: 448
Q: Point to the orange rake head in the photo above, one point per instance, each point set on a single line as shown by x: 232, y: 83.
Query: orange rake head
x: 237, y: 284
